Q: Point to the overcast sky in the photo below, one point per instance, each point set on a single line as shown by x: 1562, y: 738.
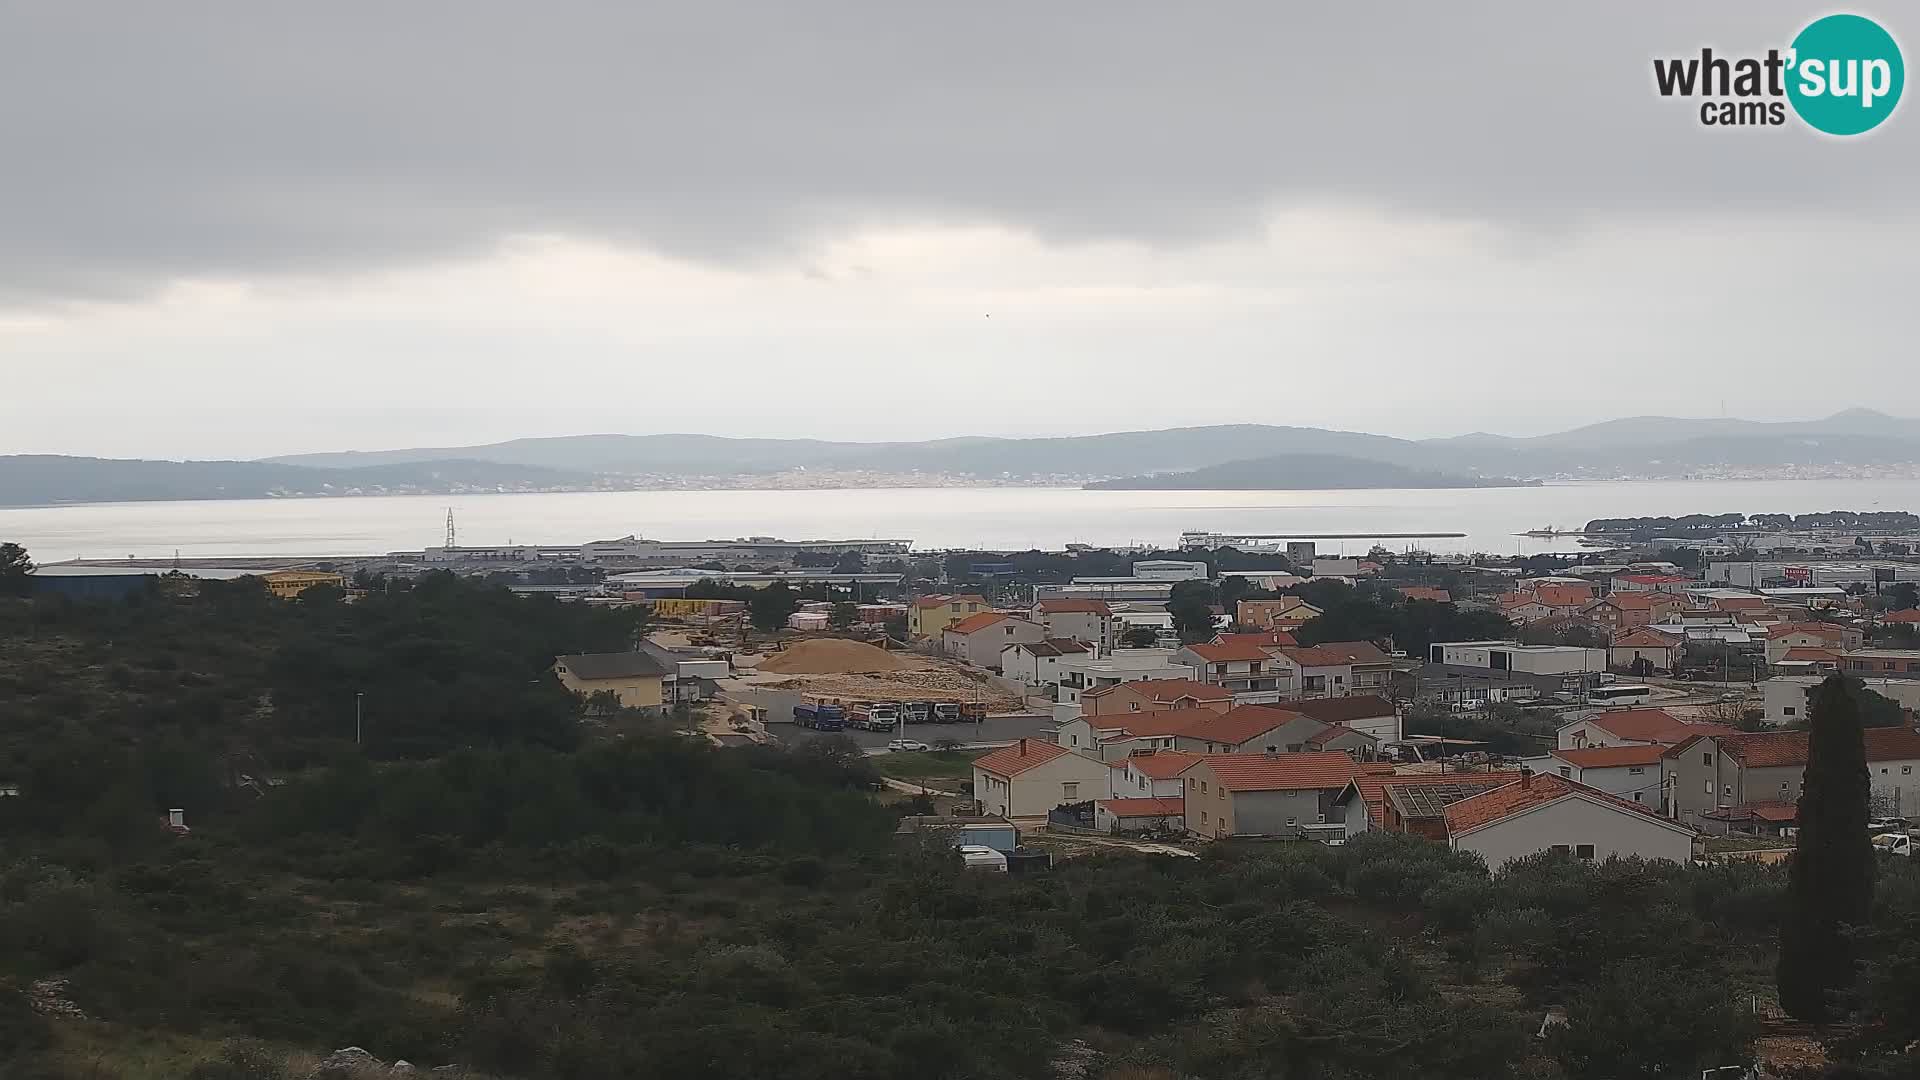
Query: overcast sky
x: 232, y: 229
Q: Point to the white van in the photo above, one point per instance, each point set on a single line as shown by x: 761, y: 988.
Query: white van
x: 1894, y: 843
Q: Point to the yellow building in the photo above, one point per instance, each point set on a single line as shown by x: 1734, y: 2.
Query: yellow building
x: 288, y: 584
x: 633, y: 677
x: 929, y: 616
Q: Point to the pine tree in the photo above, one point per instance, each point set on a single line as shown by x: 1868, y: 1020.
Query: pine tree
x: 1830, y: 887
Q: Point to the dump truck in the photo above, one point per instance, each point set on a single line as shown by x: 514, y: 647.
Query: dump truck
x: 946, y: 712
x: 820, y: 715
x: 973, y: 712
x: 876, y: 716
x: 919, y: 712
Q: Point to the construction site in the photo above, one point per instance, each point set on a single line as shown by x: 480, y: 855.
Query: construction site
x: 854, y: 671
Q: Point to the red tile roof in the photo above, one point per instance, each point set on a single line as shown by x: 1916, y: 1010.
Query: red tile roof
x: 976, y: 623
x: 1171, y: 806
x: 1335, y: 654
x: 1630, y: 601
x: 1220, y: 654
x: 1426, y: 592
x: 1613, y: 757
x: 1563, y: 595
x: 1812, y: 655
x: 1827, y: 631
x: 1063, y: 607
x: 1155, y: 723
x: 1238, y: 725
x: 1740, y: 603
x: 1910, y: 615
x: 1162, y: 690
x: 1781, y: 749
x: 1652, y: 725
x: 1282, y: 772
x: 1335, y: 731
x: 1479, y: 811
x: 1160, y: 764
x: 1268, y: 638
x: 1643, y: 638
x: 1020, y: 757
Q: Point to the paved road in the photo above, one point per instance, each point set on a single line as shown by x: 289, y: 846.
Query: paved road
x: 996, y: 731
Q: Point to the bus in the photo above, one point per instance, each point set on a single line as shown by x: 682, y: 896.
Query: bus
x: 1620, y: 694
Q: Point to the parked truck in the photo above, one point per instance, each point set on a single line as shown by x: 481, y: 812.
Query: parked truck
x: 919, y: 712
x: 820, y: 715
x: 946, y: 712
x: 876, y: 716
x: 973, y: 712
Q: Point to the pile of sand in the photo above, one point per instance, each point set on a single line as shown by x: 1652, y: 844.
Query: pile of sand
x: 830, y: 656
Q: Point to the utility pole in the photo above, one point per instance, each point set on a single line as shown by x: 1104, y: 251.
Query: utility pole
x: 359, y: 712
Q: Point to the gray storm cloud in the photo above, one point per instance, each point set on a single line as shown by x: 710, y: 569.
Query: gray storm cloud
x: 148, y: 142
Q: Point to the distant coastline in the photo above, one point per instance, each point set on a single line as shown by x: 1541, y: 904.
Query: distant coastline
x: 1304, y: 472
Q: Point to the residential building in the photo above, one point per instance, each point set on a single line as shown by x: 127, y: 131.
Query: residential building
x: 1522, y: 607
x: 1090, y: 621
x: 690, y: 677
x: 1632, y: 772
x: 1139, y: 815
x: 978, y: 639
x: 1151, y: 774
x: 1338, y: 668
x: 1340, y: 737
x: 1116, y: 737
x: 1263, y: 794
x: 1786, y: 697
x: 1369, y: 714
x: 1807, y: 661
x: 928, y: 616
x: 634, y: 678
x: 1414, y: 804
x: 1624, y: 611
x: 1736, y: 769
x: 1151, y: 694
x: 1240, y: 669
x: 1325, y: 566
x: 1283, y: 613
x: 1552, y: 813
x: 1037, y: 663
x: 1087, y: 672
x: 1631, y: 727
x: 1265, y: 639
x: 1423, y: 592
x: 1248, y: 729
x: 1630, y: 650
x: 1883, y: 663
x: 1811, y: 635
x: 288, y: 584
x: 1032, y: 777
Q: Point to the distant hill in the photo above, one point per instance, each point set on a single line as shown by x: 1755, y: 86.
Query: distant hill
x: 1633, y: 446
x: 1282, y: 472
x: 40, y: 479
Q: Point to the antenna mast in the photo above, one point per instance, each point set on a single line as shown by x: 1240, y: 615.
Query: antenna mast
x: 450, y: 543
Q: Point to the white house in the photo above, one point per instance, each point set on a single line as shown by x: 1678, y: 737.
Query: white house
x: 1037, y: 663
x: 1631, y: 772
x: 1032, y: 777
x: 1090, y: 621
x: 1551, y: 813
x: 1628, y: 727
x: 978, y: 639
x: 1152, y: 774
x: 1087, y: 672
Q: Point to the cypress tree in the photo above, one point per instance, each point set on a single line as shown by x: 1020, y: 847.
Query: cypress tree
x: 1830, y: 884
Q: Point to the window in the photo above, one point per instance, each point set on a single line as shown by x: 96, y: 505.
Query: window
x: 1789, y: 710
x: 1635, y: 770
x: 1906, y: 770
x: 1727, y: 791
x: 1290, y: 823
x: 1709, y: 785
x: 1707, y: 758
x: 1584, y: 851
x: 1203, y: 817
x: 1783, y: 785
x: 1073, y: 740
x: 1561, y: 849
x: 1221, y: 794
x: 1070, y: 792
x: 1191, y: 782
x: 1566, y: 771
x: 1637, y: 794
x: 1203, y: 787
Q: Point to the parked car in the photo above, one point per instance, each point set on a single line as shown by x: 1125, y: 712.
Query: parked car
x: 910, y: 745
x: 1894, y: 843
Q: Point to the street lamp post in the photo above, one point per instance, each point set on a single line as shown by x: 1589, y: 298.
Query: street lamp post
x: 359, y: 713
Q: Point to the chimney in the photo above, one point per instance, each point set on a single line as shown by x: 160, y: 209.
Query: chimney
x: 176, y: 818
x: 1023, y: 748
x: 1526, y: 778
